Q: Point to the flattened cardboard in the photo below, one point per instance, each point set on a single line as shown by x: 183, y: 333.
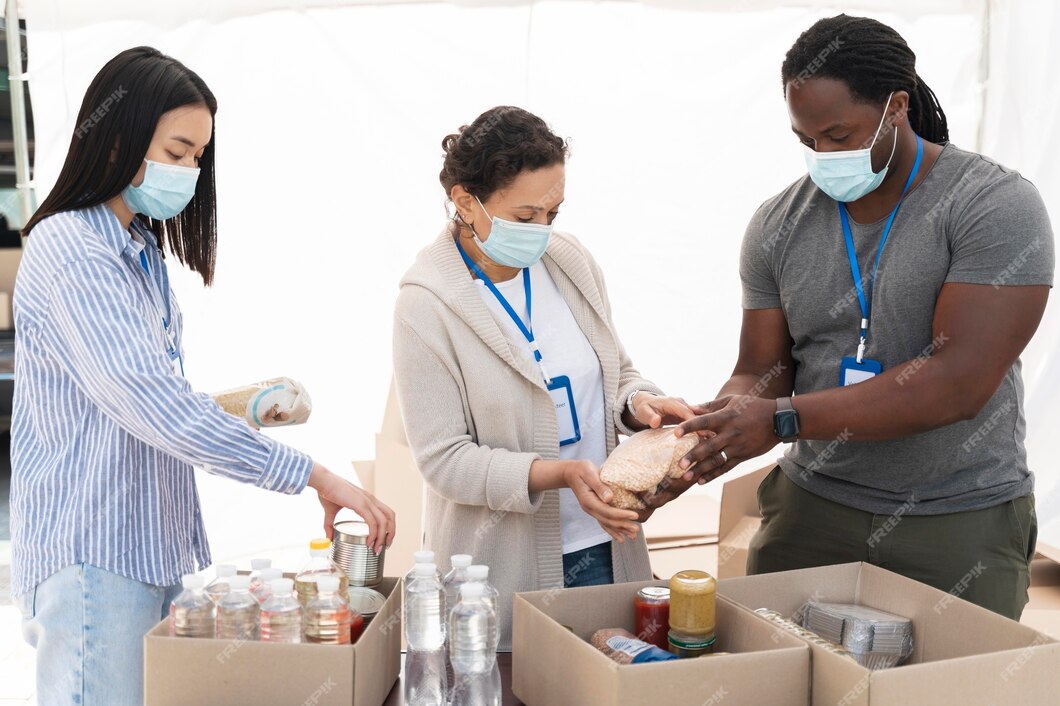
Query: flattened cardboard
x: 555, y: 667
x: 739, y: 521
x: 182, y: 671
x: 963, y: 654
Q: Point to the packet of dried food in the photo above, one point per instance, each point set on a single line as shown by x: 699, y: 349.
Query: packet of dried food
x: 276, y: 402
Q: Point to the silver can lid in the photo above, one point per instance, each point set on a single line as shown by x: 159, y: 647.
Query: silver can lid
x: 351, y: 532
x: 366, y: 601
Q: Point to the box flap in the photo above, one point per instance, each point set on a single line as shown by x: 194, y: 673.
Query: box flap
x: 694, y: 516
x: 739, y: 498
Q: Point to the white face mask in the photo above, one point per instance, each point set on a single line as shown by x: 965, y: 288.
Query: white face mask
x: 512, y: 243
x: 847, y: 175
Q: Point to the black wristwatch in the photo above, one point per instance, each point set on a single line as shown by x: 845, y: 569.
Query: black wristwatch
x: 786, y: 421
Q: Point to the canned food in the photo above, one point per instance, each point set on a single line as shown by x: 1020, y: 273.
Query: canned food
x: 351, y: 552
x: 366, y: 601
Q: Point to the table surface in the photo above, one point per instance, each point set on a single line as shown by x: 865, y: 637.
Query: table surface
x: 504, y: 661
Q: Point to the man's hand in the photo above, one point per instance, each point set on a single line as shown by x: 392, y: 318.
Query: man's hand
x: 741, y: 427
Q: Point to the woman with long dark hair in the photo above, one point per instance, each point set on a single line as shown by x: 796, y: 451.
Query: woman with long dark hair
x: 896, y: 284
x: 105, y: 429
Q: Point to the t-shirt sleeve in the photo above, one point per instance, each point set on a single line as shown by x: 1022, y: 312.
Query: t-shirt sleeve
x: 759, y: 280
x: 1002, y: 236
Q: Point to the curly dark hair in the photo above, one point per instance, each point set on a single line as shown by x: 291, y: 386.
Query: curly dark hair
x: 491, y: 152
x: 873, y: 60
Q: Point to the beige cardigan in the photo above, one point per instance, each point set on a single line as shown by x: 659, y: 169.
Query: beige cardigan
x: 477, y: 414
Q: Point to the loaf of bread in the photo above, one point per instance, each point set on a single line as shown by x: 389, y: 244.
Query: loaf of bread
x: 642, y: 462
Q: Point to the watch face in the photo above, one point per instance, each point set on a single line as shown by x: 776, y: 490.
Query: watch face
x: 786, y: 424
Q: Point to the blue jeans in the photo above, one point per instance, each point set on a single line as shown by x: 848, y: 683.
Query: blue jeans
x: 588, y: 567
x: 88, y: 628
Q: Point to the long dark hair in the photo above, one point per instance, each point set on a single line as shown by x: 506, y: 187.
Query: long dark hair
x: 121, y: 109
x: 873, y: 60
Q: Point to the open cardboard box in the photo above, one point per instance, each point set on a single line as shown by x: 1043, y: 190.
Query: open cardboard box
x: 963, y: 654
x: 555, y: 667
x: 189, y: 671
x: 1043, y: 609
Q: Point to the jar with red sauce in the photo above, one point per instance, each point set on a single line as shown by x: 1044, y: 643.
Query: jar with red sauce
x: 652, y: 606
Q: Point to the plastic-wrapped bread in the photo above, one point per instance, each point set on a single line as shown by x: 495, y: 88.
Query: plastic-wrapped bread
x: 623, y: 647
x: 642, y: 462
x: 275, y: 402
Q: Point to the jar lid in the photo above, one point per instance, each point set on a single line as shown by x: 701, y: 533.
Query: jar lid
x: 688, y: 642
x: 655, y: 593
x: 351, y: 532
x: 365, y: 601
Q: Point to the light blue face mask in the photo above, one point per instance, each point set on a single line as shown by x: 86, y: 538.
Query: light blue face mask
x: 166, y: 190
x: 847, y: 175
x: 514, y: 244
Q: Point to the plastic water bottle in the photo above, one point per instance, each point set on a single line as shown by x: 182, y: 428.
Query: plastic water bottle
x: 480, y: 574
x: 192, y: 613
x: 219, y: 586
x: 320, y: 564
x: 473, y: 649
x: 327, y: 615
x: 425, y: 682
x: 452, y: 582
x: 256, y: 567
x: 424, y: 556
x: 238, y: 612
x: 263, y: 589
x: 281, y: 613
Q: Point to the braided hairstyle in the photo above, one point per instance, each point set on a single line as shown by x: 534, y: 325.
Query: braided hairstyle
x: 873, y: 60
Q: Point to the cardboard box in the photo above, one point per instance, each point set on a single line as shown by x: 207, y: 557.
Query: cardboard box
x: 739, y: 521
x: 186, y: 671
x: 963, y: 654
x: 667, y: 560
x: 1043, y: 608
x: 554, y: 667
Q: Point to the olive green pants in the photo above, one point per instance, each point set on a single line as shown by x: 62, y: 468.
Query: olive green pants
x: 982, y: 556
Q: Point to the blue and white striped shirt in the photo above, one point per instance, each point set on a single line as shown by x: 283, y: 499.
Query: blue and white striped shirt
x: 104, y: 431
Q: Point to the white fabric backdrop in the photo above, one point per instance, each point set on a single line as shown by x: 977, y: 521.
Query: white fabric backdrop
x: 331, y: 115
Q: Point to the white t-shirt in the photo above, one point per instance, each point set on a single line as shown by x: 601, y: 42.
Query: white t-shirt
x: 565, y: 351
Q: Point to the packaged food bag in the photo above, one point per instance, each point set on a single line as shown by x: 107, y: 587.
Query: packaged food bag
x: 276, y: 402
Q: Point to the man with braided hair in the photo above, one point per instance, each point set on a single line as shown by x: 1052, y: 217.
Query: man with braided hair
x: 897, y: 284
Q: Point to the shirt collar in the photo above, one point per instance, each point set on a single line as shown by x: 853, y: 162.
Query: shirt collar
x: 106, y: 223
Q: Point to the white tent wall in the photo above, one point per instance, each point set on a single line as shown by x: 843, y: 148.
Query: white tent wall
x: 331, y: 116
x: 1021, y: 129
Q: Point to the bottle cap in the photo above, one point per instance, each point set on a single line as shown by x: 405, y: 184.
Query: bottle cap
x: 225, y: 570
x: 425, y: 556
x: 259, y: 564
x: 471, y: 591
x: 317, y: 544
x: 239, y: 583
x: 328, y: 584
x: 281, y: 586
x: 426, y: 569
x: 271, y: 574
x: 478, y: 572
x: 192, y: 582
x: 460, y: 561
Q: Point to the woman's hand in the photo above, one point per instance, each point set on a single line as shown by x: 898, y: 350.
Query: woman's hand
x: 583, y: 477
x: 335, y: 493
x: 654, y: 411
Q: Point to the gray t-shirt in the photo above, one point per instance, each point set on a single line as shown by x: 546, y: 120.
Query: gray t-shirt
x: 970, y: 220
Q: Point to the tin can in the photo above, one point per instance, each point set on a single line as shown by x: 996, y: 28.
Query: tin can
x: 351, y: 552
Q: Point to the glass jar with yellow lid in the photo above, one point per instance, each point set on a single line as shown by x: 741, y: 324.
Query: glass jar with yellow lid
x: 692, y: 613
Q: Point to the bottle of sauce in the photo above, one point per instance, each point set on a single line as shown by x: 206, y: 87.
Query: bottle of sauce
x: 692, y: 613
x: 652, y: 606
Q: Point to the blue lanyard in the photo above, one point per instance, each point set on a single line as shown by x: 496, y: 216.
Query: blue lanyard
x: 160, y: 304
x: 527, y: 331
x: 852, y: 254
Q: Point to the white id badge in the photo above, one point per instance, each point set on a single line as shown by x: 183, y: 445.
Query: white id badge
x: 852, y: 372
x: 566, y: 414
